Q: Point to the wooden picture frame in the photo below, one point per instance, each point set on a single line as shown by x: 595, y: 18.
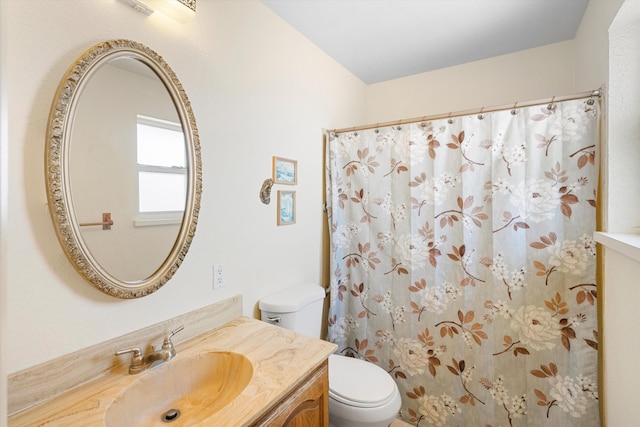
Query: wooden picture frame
x: 286, y: 207
x: 285, y: 171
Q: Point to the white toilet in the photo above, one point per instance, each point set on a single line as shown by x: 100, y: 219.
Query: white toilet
x: 361, y: 394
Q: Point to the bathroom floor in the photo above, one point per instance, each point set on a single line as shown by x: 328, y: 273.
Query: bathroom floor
x: 399, y: 423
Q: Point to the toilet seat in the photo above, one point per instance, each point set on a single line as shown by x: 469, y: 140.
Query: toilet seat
x: 357, y: 383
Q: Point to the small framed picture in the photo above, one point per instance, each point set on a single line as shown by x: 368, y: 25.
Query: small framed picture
x: 286, y: 207
x: 285, y: 171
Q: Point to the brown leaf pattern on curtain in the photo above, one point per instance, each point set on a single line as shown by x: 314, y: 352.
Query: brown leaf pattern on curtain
x: 463, y: 263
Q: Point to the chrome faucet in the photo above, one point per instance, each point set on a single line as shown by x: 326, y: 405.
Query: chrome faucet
x: 141, y: 363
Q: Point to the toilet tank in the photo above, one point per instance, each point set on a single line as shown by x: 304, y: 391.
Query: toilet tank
x: 298, y: 308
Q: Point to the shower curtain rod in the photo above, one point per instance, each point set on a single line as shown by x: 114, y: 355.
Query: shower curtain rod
x: 482, y: 110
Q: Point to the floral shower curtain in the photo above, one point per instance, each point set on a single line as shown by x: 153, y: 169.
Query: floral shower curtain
x: 462, y: 263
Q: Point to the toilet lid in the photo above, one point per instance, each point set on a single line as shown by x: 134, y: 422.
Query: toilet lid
x: 358, y: 383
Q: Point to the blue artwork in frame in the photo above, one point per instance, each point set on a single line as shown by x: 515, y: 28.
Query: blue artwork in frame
x: 286, y: 207
x: 285, y: 171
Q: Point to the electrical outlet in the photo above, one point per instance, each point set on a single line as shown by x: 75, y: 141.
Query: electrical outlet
x: 218, y: 276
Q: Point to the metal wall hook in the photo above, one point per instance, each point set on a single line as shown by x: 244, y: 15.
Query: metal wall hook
x: 551, y: 106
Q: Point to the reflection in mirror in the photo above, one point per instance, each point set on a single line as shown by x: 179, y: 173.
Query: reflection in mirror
x: 162, y: 169
x: 104, y: 170
x: 128, y: 146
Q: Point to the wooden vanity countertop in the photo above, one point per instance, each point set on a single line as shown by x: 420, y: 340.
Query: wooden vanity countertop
x: 280, y: 358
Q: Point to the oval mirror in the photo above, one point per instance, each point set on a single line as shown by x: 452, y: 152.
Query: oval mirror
x: 123, y: 168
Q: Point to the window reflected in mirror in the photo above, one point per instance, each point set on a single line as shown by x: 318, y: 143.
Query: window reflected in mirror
x: 162, y: 170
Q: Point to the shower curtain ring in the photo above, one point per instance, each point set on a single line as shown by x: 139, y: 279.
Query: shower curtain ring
x: 514, y: 111
x: 450, y: 121
x: 377, y: 130
x: 551, y: 105
x: 481, y: 116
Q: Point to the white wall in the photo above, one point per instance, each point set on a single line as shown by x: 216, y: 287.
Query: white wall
x: 623, y: 200
x: 621, y: 344
x: 592, y: 44
x: 4, y: 184
x: 620, y: 291
x: 592, y: 70
x: 257, y: 88
x: 563, y: 68
x: 522, y: 76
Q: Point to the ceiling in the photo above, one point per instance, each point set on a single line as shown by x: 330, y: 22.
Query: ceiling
x: 380, y: 40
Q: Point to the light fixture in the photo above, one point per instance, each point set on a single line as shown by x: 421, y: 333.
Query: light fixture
x: 191, y: 4
x: 139, y: 6
x: 180, y: 10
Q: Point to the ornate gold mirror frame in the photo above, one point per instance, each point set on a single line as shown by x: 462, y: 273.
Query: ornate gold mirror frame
x: 57, y: 168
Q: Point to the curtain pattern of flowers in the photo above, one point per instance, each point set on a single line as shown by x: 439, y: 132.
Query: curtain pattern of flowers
x: 462, y: 262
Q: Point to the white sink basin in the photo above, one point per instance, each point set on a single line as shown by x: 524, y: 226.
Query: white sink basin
x: 181, y: 392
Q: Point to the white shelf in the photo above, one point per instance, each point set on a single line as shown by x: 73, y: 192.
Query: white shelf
x: 626, y: 244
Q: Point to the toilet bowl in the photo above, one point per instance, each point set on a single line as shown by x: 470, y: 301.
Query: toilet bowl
x: 361, y: 394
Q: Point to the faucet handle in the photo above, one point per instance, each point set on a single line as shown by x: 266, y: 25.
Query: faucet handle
x: 167, y: 339
x: 137, y: 355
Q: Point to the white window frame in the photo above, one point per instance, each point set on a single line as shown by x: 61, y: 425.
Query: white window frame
x: 144, y: 219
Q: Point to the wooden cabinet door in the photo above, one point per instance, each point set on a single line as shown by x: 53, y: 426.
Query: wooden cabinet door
x: 307, y: 406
